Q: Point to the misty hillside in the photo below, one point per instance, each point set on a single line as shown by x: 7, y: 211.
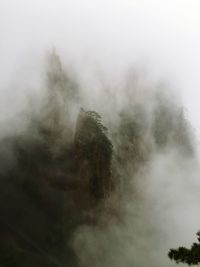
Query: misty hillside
x: 66, y: 178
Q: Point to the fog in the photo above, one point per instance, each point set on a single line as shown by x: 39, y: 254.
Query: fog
x: 111, y: 35
x: 110, y: 47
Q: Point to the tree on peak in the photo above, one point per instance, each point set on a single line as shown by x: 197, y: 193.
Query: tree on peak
x: 94, y: 149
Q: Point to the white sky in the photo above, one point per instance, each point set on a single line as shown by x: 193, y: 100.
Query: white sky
x: 163, y: 34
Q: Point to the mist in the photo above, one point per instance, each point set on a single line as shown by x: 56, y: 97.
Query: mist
x: 136, y: 63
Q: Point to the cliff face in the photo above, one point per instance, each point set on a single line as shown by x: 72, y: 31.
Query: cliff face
x: 45, y: 197
x: 55, y: 181
x: 53, y: 187
x: 93, y: 152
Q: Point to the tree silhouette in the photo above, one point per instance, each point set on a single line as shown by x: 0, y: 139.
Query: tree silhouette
x: 189, y: 256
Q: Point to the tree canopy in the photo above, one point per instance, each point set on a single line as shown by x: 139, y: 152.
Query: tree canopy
x: 189, y: 256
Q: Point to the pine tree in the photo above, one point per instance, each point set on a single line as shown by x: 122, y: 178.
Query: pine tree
x: 189, y: 256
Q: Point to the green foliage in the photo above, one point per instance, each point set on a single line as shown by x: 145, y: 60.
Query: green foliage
x: 189, y: 256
